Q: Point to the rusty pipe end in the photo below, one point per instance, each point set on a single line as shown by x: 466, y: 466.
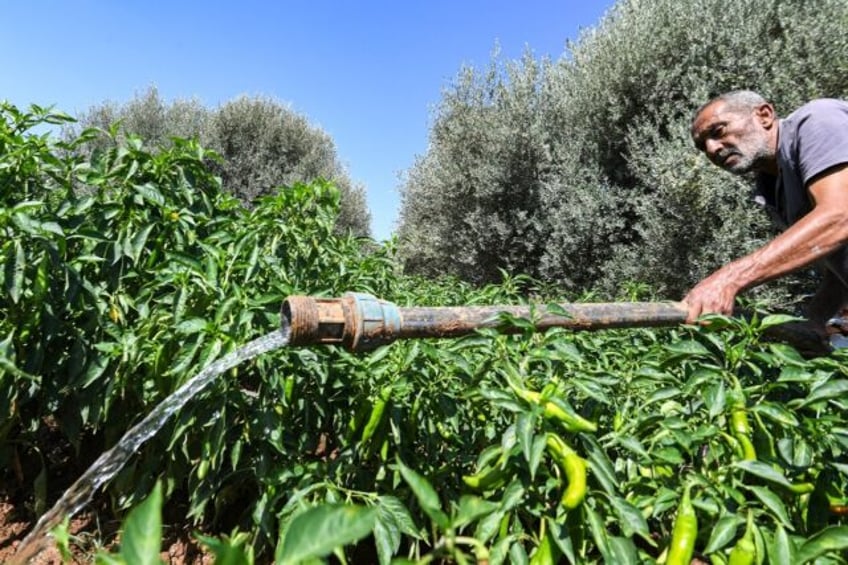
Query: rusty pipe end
x: 312, y: 321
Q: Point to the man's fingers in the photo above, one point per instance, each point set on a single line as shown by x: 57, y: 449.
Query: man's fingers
x: 713, y: 295
x: 695, y: 309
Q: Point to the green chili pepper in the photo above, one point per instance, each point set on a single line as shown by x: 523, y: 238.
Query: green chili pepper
x: 742, y: 428
x: 574, y: 468
x: 376, y: 417
x: 357, y: 420
x: 489, y: 477
x: 503, y: 527
x: 745, y: 550
x: 684, y: 533
x: 203, y: 469
x: 763, y: 439
x: 288, y: 389
x: 384, y: 449
x: 553, y: 410
x: 749, y: 453
x: 802, y: 488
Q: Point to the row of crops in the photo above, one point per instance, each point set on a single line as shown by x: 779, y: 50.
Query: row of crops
x: 126, y: 272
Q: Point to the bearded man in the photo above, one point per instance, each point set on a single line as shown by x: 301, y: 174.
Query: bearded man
x: 801, y: 167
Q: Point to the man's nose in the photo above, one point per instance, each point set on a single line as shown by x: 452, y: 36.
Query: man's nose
x: 711, y: 147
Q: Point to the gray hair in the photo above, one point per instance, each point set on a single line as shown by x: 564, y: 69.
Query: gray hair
x: 736, y: 100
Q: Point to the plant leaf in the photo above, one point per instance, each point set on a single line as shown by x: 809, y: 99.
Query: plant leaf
x: 142, y: 538
x: 763, y: 471
x: 773, y: 503
x: 386, y: 537
x: 320, y: 529
x: 426, y: 495
x: 623, y: 550
x: 778, y: 319
x: 393, y: 506
x: 832, y: 539
x: 631, y: 519
x: 832, y: 389
x: 15, y: 272
x: 473, y: 508
x: 723, y: 533
x: 782, y: 550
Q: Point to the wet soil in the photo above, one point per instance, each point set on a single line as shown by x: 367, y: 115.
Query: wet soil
x: 94, y: 529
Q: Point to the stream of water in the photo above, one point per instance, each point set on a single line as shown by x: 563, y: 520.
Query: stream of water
x: 111, y: 461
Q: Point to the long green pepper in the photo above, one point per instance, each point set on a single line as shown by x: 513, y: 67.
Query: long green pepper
x: 742, y: 429
x: 745, y: 550
x: 376, y: 416
x: 684, y: 533
x: 571, y: 421
x: 490, y: 476
x: 574, y: 468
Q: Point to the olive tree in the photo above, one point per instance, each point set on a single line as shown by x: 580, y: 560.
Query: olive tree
x: 632, y: 86
x: 470, y: 205
x: 264, y: 144
x: 148, y: 116
x: 615, y: 190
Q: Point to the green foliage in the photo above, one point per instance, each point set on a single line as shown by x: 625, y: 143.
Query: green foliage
x: 319, y: 530
x: 264, y: 145
x: 471, y: 203
x: 113, y: 296
x: 142, y: 531
x: 581, y: 171
x: 228, y: 550
x: 141, y: 537
x: 149, y: 117
x: 633, y: 84
x: 683, y: 228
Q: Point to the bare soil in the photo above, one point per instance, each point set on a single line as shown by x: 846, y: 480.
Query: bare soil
x: 94, y: 529
x: 88, y: 535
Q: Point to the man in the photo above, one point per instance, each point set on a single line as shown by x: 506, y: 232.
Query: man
x: 801, y: 163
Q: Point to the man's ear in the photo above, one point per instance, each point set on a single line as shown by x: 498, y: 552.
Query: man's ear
x: 764, y: 113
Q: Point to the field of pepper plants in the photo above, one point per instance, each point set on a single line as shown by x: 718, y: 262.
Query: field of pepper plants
x: 126, y: 272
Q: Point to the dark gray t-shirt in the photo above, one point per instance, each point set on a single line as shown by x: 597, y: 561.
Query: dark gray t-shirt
x: 811, y: 140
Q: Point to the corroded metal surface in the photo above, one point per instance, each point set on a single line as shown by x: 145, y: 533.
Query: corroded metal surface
x: 356, y: 321
x: 361, y: 322
x: 314, y: 320
x: 457, y: 321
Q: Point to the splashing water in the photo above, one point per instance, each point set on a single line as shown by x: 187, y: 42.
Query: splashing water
x: 111, y: 461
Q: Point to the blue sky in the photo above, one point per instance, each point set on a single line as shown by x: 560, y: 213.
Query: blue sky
x: 369, y: 73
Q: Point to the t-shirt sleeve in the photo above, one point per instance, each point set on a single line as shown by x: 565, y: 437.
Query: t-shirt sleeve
x: 822, y: 137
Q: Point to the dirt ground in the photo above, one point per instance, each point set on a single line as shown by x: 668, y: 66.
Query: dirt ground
x: 92, y: 529
x: 87, y: 537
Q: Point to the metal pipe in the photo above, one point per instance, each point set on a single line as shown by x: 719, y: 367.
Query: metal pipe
x: 361, y: 322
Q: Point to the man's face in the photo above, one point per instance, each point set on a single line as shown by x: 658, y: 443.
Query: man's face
x: 735, y: 140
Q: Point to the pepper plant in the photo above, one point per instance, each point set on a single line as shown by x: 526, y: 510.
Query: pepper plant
x: 126, y: 272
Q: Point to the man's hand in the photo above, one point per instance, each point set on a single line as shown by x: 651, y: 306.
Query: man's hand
x: 714, y: 295
x: 814, y: 236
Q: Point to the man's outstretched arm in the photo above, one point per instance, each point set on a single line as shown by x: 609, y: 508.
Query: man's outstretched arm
x: 814, y: 236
